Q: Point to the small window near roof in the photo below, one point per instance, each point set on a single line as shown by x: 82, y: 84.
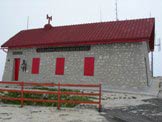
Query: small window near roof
x: 60, y: 62
x: 35, y: 65
x: 89, y: 66
x: 17, y: 53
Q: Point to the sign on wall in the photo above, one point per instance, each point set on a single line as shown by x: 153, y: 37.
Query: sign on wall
x: 60, y: 49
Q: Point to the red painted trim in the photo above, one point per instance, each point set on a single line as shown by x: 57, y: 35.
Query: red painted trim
x: 89, y: 66
x: 35, y: 65
x: 16, y: 68
x: 60, y: 62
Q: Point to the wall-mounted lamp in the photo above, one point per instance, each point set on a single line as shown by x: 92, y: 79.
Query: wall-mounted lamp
x: 24, y: 66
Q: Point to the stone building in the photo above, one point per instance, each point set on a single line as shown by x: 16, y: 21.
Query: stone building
x: 113, y: 53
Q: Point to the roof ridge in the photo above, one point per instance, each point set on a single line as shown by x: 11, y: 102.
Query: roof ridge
x: 91, y: 23
x: 112, y: 21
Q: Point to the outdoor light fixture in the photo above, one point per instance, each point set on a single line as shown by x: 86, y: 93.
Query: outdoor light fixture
x: 24, y: 66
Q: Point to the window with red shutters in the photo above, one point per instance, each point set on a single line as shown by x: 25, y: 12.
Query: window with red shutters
x: 89, y: 66
x: 35, y: 65
x: 60, y: 62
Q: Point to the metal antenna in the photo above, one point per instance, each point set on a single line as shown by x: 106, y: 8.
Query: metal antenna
x: 152, y: 64
x: 150, y: 15
x: 116, y: 9
x: 27, y: 22
x: 152, y: 56
x: 100, y: 15
x: 159, y: 45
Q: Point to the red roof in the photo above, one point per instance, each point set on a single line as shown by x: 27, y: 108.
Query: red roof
x: 86, y: 34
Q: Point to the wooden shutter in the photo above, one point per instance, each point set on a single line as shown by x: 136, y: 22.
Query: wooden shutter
x: 17, y: 66
x: 89, y: 66
x: 60, y: 62
x: 35, y: 65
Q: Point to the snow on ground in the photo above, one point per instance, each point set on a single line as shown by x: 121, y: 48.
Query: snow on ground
x: 11, y: 113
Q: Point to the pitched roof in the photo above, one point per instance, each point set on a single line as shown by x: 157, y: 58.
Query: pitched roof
x: 86, y: 34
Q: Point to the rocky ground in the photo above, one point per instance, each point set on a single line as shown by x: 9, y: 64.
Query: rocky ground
x: 150, y: 112
x: 116, y: 108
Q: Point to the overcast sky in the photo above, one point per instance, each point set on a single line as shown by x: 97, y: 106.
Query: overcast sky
x: 14, y: 13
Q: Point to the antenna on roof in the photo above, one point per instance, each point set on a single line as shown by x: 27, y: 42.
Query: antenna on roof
x: 159, y: 44
x: 27, y: 22
x: 152, y: 56
x: 116, y: 9
x: 100, y: 15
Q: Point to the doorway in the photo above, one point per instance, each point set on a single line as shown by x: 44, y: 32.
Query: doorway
x: 16, y: 69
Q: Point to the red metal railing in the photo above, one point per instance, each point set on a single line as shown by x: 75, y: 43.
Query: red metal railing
x: 58, y: 93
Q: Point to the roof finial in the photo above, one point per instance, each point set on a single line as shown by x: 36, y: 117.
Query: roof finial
x: 49, y: 18
x: 27, y: 22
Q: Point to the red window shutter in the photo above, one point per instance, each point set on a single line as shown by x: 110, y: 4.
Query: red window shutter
x: 35, y: 65
x: 89, y: 66
x: 60, y: 62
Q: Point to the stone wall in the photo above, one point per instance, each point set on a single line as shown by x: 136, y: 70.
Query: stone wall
x: 117, y: 66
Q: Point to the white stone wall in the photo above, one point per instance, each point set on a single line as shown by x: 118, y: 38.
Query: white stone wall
x: 117, y: 66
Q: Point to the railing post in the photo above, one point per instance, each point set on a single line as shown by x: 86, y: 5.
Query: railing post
x: 59, y: 96
x: 100, y: 106
x: 22, y: 94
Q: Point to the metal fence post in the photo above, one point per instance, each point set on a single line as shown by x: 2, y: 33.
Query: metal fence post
x: 22, y: 94
x: 59, y: 94
x: 100, y: 106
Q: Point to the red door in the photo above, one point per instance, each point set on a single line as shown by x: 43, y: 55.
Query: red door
x: 16, y: 71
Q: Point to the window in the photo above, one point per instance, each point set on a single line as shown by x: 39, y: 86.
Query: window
x: 35, y: 65
x: 60, y: 62
x: 17, y: 53
x: 89, y: 66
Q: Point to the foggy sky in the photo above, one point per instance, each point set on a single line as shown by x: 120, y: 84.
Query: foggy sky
x: 14, y: 13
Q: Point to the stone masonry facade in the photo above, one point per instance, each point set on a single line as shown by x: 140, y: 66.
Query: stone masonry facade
x: 117, y: 66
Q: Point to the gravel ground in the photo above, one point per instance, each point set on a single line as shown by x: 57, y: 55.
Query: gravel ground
x: 116, y: 108
x: 47, y: 114
x: 151, y: 112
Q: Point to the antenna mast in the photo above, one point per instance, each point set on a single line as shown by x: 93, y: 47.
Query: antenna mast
x: 159, y: 44
x: 152, y: 56
x: 27, y: 22
x: 150, y: 15
x: 152, y: 64
x: 116, y: 9
x: 100, y: 15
